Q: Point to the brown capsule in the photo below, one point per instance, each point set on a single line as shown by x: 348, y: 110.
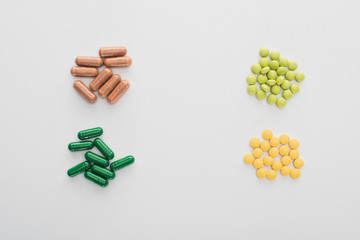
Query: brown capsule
x: 84, y: 71
x: 84, y: 91
x: 109, y: 85
x: 89, y: 61
x: 100, y: 79
x: 118, y: 61
x: 118, y: 91
x: 112, y: 51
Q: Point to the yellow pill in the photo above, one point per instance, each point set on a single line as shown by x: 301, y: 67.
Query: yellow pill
x: 267, y: 134
x: 285, y: 170
x: 277, y: 165
x: 257, y: 152
x: 265, y: 146
x: 294, y: 143
x: 284, y: 139
x: 271, y: 174
x: 285, y: 160
x: 268, y: 161
x: 295, y: 173
x: 258, y: 163
x: 294, y: 154
x: 274, y: 152
x: 284, y: 150
x: 261, y: 173
x: 255, y: 142
x: 249, y: 158
x: 299, y: 163
x: 274, y: 141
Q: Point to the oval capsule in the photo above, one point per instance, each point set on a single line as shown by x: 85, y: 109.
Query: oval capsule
x: 104, y: 149
x: 118, y: 61
x: 112, y: 51
x: 100, y: 79
x: 84, y: 71
x: 89, y: 61
x: 94, y: 158
x: 109, y: 85
x: 96, y: 179
x: 121, y: 163
x: 82, y: 167
x: 90, y: 133
x: 118, y: 91
x: 79, y: 146
x: 103, y: 172
x: 84, y: 91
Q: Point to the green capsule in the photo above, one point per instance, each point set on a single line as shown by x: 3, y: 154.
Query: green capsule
x: 82, y: 167
x: 104, y: 149
x: 90, y: 133
x: 96, y: 179
x: 78, y: 146
x: 94, y: 158
x: 122, y: 163
x: 103, y: 172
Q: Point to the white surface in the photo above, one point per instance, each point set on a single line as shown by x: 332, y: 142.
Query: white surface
x: 186, y: 118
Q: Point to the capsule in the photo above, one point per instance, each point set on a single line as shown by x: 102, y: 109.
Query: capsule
x: 94, y: 158
x: 104, y: 149
x: 118, y: 91
x: 84, y: 71
x: 90, y: 133
x: 112, y: 51
x: 101, y: 79
x: 84, y: 91
x: 109, y: 85
x: 82, y: 167
x: 89, y: 61
x: 122, y: 163
x: 78, y: 146
x: 96, y: 179
x: 118, y: 61
x: 103, y: 172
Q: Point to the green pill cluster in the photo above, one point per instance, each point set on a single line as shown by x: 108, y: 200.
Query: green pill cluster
x: 274, y: 76
x: 95, y: 166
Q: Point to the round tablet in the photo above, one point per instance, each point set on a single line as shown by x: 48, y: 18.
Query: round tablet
x: 283, y: 62
x: 251, y: 79
x: 268, y: 161
x: 274, y: 141
x: 257, y: 152
x: 274, y: 152
x: 271, y: 99
x: 271, y: 82
x: 274, y: 65
x: 274, y: 55
x: 261, y: 173
x: 287, y: 94
x: 298, y: 163
x: 285, y: 170
x: 284, y: 150
x: 281, y: 71
x: 262, y: 78
x: 295, y: 173
x: 285, y: 160
x: 285, y: 84
x: 258, y: 163
x: 252, y: 89
x: 300, y: 76
x: 266, y: 88
x: 284, y: 139
x: 264, y: 62
x: 261, y: 94
x: 265, y: 70
x: 294, y: 143
x: 281, y: 102
x: 294, y: 154
x: 264, y: 52
x: 292, y: 65
x: 290, y: 75
x: 271, y: 174
x: 276, y: 165
x: 267, y: 134
x: 276, y: 89
x: 272, y: 74
x: 265, y: 146
x: 280, y: 80
x: 256, y: 68
x: 255, y: 142
x: 295, y: 88
x: 248, y: 158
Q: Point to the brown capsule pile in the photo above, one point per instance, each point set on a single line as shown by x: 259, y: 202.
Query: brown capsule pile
x: 108, y: 84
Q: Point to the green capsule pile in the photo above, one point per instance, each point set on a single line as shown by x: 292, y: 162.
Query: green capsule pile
x: 273, y: 76
x: 96, y: 166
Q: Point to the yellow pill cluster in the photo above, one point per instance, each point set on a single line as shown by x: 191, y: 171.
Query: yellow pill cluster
x: 283, y: 147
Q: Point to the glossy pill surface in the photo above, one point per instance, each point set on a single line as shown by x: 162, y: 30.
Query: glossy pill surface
x: 78, y: 146
x: 118, y: 91
x: 112, y: 51
x: 285, y: 170
x: 265, y: 146
x: 82, y: 167
x: 94, y: 158
x: 84, y: 91
x: 299, y: 163
x: 101, y: 79
x: 84, y: 71
x: 258, y: 163
x: 248, y: 158
x: 271, y: 174
x: 90, y: 133
x: 257, y: 152
x: 267, y: 134
x: 105, y: 90
x: 122, y: 163
x: 104, y: 149
x: 89, y: 61
x: 295, y: 173
x: 103, y: 172
x: 255, y: 142
x: 96, y: 179
x: 261, y: 173
x: 118, y: 61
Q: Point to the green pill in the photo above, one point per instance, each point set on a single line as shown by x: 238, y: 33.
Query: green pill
x: 122, y: 163
x: 265, y: 70
x: 261, y: 94
x: 280, y: 80
x: 271, y: 99
x: 287, y: 94
x: 82, y: 167
x: 103, y: 172
x: 104, y: 149
x: 283, y: 62
x: 290, y: 75
x: 256, y: 68
x: 90, y: 133
x: 285, y: 84
x: 295, y: 88
x: 300, y: 76
x: 274, y: 55
x: 292, y: 65
x: 96, y: 179
x: 264, y: 62
x: 281, y: 71
x: 252, y: 89
x: 265, y: 87
x: 264, y: 52
x: 274, y: 65
x: 272, y: 75
x: 276, y: 89
x: 262, y: 78
x: 281, y: 102
x: 94, y: 158
x: 271, y: 82
x: 251, y: 79
x: 78, y: 146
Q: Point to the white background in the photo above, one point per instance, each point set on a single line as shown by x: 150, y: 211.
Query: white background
x: 186, y: 118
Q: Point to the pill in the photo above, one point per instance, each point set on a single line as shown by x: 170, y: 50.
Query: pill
x: 271, y: 98
x: 285, y: 160
x: 118, y: 61
x: 248, y: 158
x: 285, y: 170
x: 295, y: 173
x: 251, y: 79
x: 294, y: 143
x: 100, y: 79
x: 109, y: 85
x: 262, y: 78
x: 84, y: 91
x: 103, y: 172
x: 294, y: 154
x: 285, y: 84
x: 271, y: 82
x: 255, y: 142
x: 284, y: 139
x: 274, y: 141
x: 300, y: 76
x: 287, y: 94
x: 264, y: 52
x: 261, y: 94
x: 290, y: 75
x: 284, y: 150
x: 256, y: 68
x: 257, y: 152
x: 274, y: 55
x: 104, y: 149
x: 264, y: 62
x: 261, y: 173
x: 281, y: 71
x: 112, y: 51
x: 265, y: 146
x: 271, y: 174
x: 265, y: 87
x: 274, y: 65
x: 292, y: 65
x: 267, y: 134
x: 78, y: 146
x: 283, y: 62
x: 265, y: 70
x: 122, y: 163
x: 274, y: 152
x: 299, y: 163
x: 90, y: 133
x: 272, y: 75
x: 276, y: 165
x: 97, y: 159
x: 281, y: 102
x: 118, y: 91
x: 276, y: 89
x: 96, y: 179
x: 295, y: 88
x: 252, y: 89
x: 258, y: 163
x: 268, y: 161
x: 81, y: 167
x: 84, y: 71
x: 89, y: 61
x: 280, y: 80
